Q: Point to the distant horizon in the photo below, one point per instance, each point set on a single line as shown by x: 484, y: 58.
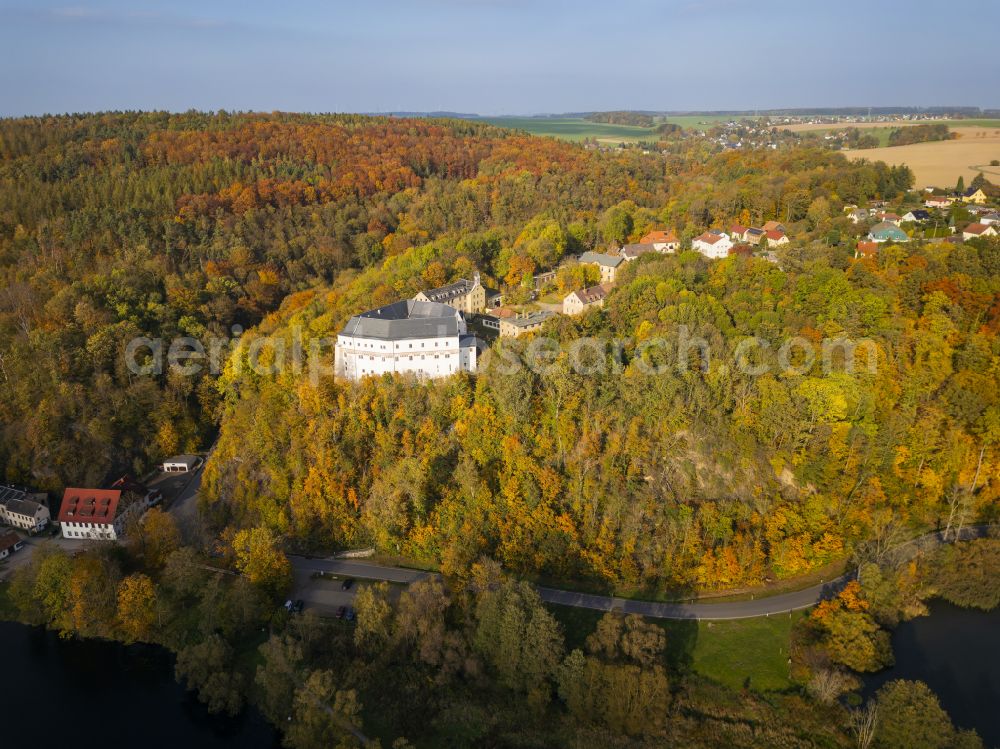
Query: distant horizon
x: 827, y: 111
x: 491, y: 57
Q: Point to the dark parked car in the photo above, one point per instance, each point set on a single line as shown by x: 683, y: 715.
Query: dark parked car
x: 298, y: 606
x: 346, y: 585
x: 350, y: 615
x: 341, y: 612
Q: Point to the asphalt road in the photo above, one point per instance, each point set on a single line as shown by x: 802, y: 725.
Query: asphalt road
x: 355, y: 568
x: 766, y: 606
x: 304, y: 568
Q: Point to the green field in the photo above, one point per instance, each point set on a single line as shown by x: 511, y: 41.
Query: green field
x: 702, y: 121
x: 734, y: 653
x: 743, y: 651
x: 574, y: 129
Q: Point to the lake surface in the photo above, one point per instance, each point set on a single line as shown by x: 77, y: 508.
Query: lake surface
x: 956, y: 652
x: 92, y: 693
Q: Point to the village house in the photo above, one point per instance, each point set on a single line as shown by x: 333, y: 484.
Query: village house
x: 9, y: 543
x: 523, y: 323
x: 990, y: 218
x: 608, y: 265
x: 975, y: 195
x: 428, y: 339
x: 18, y: 508
x: 866, y: 249
x: 858, y: 215
x: 737, y: 232
x: 753, y: 235
x: 99, y: 514
x: 888, y: 218
x: 775, y: 238
x: 938, y: 201
x: 463, y: 295
x: 974, y: 231
x: 775, y: 226
x: 916, y: 215
x: 583, y: 299
x: 886, y: 232
x: 632, y: 251
x: 663, y: 241
x: 714, y: 244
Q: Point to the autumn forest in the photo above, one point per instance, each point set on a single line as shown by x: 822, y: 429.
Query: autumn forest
x: 681, y: 480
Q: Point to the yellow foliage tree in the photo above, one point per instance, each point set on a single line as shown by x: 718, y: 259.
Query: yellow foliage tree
x: 136, y: 606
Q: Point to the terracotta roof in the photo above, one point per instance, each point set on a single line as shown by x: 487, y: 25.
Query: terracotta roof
x: 774, y: 234
x: 708, y: 237
x: 975, y: 228
x: 737, y: 229
x: 867, y: 248
x: 89, y: 506
x: 659, y: 236
x: 771, y: 225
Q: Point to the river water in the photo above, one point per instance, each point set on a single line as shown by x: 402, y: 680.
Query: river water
x: 92, y: 693
x: 956, y: 652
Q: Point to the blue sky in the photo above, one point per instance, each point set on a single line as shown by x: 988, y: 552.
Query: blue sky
x: 495, y: 56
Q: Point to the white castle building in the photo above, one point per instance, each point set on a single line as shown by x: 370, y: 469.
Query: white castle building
x: 429, y: 339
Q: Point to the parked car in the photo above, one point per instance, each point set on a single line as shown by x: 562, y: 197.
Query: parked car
x: 346, y: 585
x: 350, y: 614
x: 341, y: 612
x: 298, y: 606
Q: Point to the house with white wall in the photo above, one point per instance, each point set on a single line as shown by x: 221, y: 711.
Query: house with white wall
x: 99, y: 514
x: 427, y: 339
x: 713, y: 244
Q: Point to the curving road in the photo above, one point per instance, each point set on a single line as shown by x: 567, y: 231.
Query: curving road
x: 769, y: 606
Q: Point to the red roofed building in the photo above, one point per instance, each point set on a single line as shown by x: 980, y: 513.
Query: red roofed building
x: 737, y: 232
x: 713, y: 244
x: 866, y: 249
x: 972, y: 231
x: 662, y: 241
x: 98, y: 514
x: 775, y: 238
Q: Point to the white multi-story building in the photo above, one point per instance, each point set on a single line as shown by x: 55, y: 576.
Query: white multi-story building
x: 23, y: 510
x: 100, y: 514
x: 713, y: 244
x: 428, y: 339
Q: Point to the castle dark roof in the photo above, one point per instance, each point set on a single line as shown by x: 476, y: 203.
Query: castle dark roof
x: 406, y: 319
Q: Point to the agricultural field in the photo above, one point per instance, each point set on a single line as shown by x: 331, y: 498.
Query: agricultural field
x: 881, y: 130
x: 941, y: 163
x: 577, y: 129
x: 574, y: 129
